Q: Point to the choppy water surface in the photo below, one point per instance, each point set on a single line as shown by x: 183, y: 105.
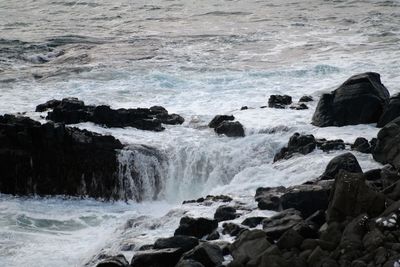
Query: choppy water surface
x: 196, y: 58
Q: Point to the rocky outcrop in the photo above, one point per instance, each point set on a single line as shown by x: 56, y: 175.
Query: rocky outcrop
x: 197, y: 227
x: 52, y: 159
x: 306, y: 98
x: 224, y: 124
x: 391, y: 111
x: 72, y: 111
x: 360, y: 99
x: 217, y: 120
x: 225, y: 213
x: 362, y: 145
x: 279, y: 101
x: 388, y: 144
x: 114, y: 261
x: 346, y: 161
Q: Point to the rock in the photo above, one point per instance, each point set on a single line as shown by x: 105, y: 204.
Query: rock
x: 300, y: 106
x: 213, y: 236
x: 302, y: 144
x: 351, y: 197
x: 268, y: 198
x: 197, y: 227
x: 217, y: 120
x: 230, y: 129
x: 361, y: 145
x: 185, y: 243
x: 244, y: 108
x: 209, y: 255
x: 373, y: 240
x: 231, y: 229
x: 360, y: 99
x: 115, y: 261
x: 51, y: 159
x: 168, y: 257
x: 252, y: 221
x: 391, y: 111
x: 352, y: 237
x: 306, y: 198
x: 346, y: 161
x: 388, y: 144
x: 328, y: 145
x: 189, y: 263
x: 279, y: 101
x: 249, y: 245
x: 72, y: 110
x: 225, y: 213
x: 209, y: 198
x: 306, y: 98
x: 290, y: 239
x: 275, y: 226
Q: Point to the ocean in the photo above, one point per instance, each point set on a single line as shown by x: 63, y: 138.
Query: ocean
x: 198, y: 59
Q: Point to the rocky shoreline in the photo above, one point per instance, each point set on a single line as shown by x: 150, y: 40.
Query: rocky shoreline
x: 346, y: 217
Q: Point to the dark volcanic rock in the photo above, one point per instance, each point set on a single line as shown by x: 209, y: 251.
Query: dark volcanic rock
x: 306, y: 98
x: 360, y: 99
x: 189, y: 263
x: 115, y: 261
x: 268, y: 198
x: 300, y: 106
x: 168, y: 257
x: 391, y: 111
x: 388, y: 144
x: 53, y: 159
x: 302, y: 144
x: 231, y: 229
x: 209, y: 255
x: 361, y: 145
x: 249, y: 245
x: 328, y: 145
x: 217, y: 120
x: 253, y: 221
x: 197, y: 227
x: 230, y: 129
x: 279, y: 101
x: 72, y: 110
x: 185, y: 243
x: 351, y: 197
x: 225, y: 213
x: 275, y: 226
x: 346, y: 161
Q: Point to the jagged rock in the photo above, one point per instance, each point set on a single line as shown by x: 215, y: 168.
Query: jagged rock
x: 328, y: 145
x: 244, y: 108
x: 51, y: 159
x: 197, y: 227
x: 360, y: 99
x: 230, y: 129
x: 268, y: 198
x: 249, y: 245
x: 217, y: 120
x: 351, y: 197
x: 231, y: 229
x: 306, y: 98
x: 185, y: 243
x: 391, y: 111
x: 72, y: 110
x: 346, y: 161
x: 361, y: 145
x: 300, y: 106
x: 290, y: 239
x: 252, y: 221
x: 275, y: 226
x: 225, y: 213
x: 115, y: 261
x: 168, y: 257
x: 219, y: 198
x: 209, y: 255
x: 279, y: 101
x: 302, y: 144
x: 388, y: 144
x: 213, y: 236
x: 189, y: 263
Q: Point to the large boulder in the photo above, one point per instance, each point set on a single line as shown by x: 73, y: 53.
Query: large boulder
x: 217, y: 120
x: 197, y: 227
x: 279, y: 101
x: 225, y: 213
x: 209, y: 255
x: 391, y: 111
x: 51, y: 159
x: 346, y: 161
x: 168, y: 257
x: 249, y: 245
x: 388, y: 144
x: 298, y: 143
x: 230, y: 129
x: 185, y: 243
x: 114, y: 261
x: 360, y: 99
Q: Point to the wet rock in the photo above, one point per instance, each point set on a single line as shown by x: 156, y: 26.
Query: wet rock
x: 268, y: 198
x: 168, y: 257
x: 290, y: 239
x: 217, y: 120
x: 360, y: 99
x: 51, y: 159
x: 276, y: 225
x: 225, y: 213
x: 306, y: 98
x: 197, y: 227
x: 346, y: 161
x: 351, y: 197
x: 391, y: 111
x: 302, y: 144
x: 244, y: 108
x: 361, y: 145
x: 219, y: 198
x: 209, y: 255
x: 388, y: 144
x: 115, y: 261
x: 231, y: 229
x: 249, y: 245
x: 185, y: 243
x: 300, y: 106
x: 48, y: 105
x: 279, y: 101
x: 328, y: 145
x: 230, y: 129
x: 213, y: 236
x: 252, y: 221
x: 189, y: 263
